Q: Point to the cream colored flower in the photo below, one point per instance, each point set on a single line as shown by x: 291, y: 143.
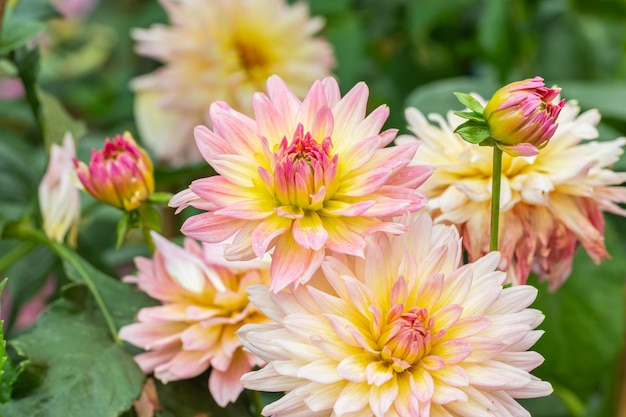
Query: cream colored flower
x: 220, y: 50
x: 59, y: 194
x: 406, y: 331
x: 550, y: 203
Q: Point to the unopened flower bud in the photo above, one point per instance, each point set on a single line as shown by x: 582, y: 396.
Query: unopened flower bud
x: 120, y: 174
x: 521, y: 116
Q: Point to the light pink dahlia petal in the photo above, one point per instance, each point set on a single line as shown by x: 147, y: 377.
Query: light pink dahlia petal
x: 241, y: 247
x: 285, y: 101
x: 210, y: 227
x: 268, y: 230
x: 323, y: 124
x: 239, y: 170
x: 352, y: 399
x: 149, y: 335
x: 184, y: 365
x: 361, y: 153
x: 237, y: 129
x: 349, y: 111
x: 220, y: 192
x: 272, y: 125
x: 343, y: 239
x: 147, y: 361
x: 309, y: 231
x: 186, y: 198
x: 313, y: 103
x: 210, y: 144
x: 292, y: 264
x: 381, y: 398
x: 224, y: 385
x: 248, y: 209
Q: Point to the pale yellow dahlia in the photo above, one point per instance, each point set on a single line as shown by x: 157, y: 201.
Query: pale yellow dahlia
x: 550, y: 203
x: 204, y: 302
x: 221, y: 50
x: 406, y: 331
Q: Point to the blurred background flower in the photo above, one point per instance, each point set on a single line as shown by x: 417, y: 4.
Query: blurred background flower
x: 406, y: 331
x: 204, y: 302
x: 220, y: 50
x: 550, y: 202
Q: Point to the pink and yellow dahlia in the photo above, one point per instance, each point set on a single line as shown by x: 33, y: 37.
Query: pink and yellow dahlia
x: 221, y: 50
x: 406, y: 331
x: 119, y: 174
x: 549, y: 204
x: 301, y: 178
x: 204, y: 302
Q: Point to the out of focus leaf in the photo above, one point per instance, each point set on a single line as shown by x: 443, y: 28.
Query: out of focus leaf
x: 348, y: 38
x: 191, y: 398
x: 496, y: 34
x: 86, y: 373
x: 16, y: 32
x: 438, y: 96
x: 606, y: 96
x: 56, y: 121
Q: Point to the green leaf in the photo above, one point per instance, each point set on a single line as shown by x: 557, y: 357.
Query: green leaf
x: 584, y: 322
x: 16, y: 32
x: 56, y: 121
x: 123, y: 226
x: 5, y: 388
x: 122, y: 300
x: 149, y: 217
x: 473, y: 132
x: 86, y: 373
x: 191, y: 397
x: 470, y: 102
x: 476, y: 117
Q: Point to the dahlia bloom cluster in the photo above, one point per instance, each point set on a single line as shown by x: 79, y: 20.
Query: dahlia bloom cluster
x: 203, y: 305
x: 303, y: 178
x: 550, y: 203
x: 404, y: 331
x: 220, y: 50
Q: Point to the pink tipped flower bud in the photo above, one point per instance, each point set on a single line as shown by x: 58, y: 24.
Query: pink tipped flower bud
x: 521, y: 116
x: 120, y: 174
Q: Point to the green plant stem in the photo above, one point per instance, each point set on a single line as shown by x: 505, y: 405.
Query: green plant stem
x: 15, y: 254
x: 255, y: 397
x: 495, y: 197
x: 34, y: 236
x: 3, y: 5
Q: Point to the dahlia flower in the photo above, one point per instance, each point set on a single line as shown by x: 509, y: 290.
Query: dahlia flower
x: 203, y: 304
x: 406, y: 331
x: 301, y: 178
x: 220, y: 50
x: 120, y: 174
x: 549, y: 204
x: 521, y: 116
x: 59, y: 195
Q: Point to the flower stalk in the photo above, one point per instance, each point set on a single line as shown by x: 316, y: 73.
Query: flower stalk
x: 496, y: 182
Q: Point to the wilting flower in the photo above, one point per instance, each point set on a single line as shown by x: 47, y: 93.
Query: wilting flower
x: 59, y: 195
x: 221, y: 50
x: 301, y: 178
x: 521, y: 116
x: 204, y: 302
x: 550, y: 203
x: 406, y: 331
x: 120, y: 174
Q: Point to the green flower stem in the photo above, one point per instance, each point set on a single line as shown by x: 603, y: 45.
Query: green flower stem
x: 255, y: 397
x: 15, y: 254
x: 36, y: 237
x: 495, y: 197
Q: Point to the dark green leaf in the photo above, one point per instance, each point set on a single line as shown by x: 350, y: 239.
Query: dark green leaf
x: 473, y: 132
x: 150, y: 217
x: 86, y: 373
x: 191, y: 397
x: 27, y: 63
x: 56, y: 121
x: 16, y: 32
x: 470, y: 102
x: 122, y: 229
x: 121, y: 299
